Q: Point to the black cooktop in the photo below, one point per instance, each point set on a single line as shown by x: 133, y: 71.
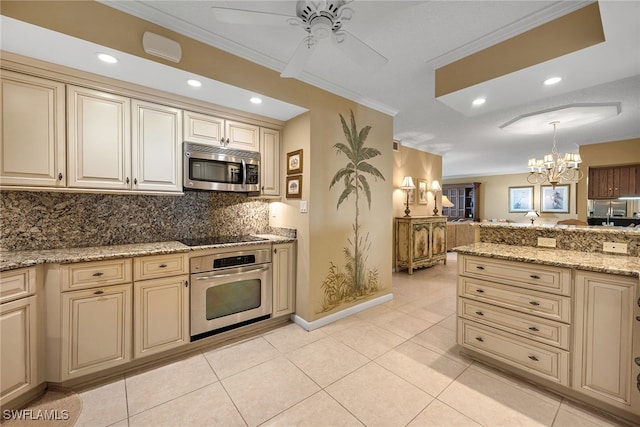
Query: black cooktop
x: 220, y: 240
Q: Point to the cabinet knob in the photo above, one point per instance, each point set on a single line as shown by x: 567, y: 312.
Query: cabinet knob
x: 186, y: 283
x: 98, y: 274
x: 127, y: 180
x: 535, y: 359
x: 275, y: 250
x: 637, y: 360
x: 60, y: 176
x: 135, y: 181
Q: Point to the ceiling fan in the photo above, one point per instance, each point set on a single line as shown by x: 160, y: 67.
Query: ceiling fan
x: 321, y: 20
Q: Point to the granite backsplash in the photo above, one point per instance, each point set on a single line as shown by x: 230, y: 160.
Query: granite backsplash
x: 48, y: 220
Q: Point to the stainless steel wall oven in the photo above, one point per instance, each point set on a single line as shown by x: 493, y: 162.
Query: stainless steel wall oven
x: 230, y: 288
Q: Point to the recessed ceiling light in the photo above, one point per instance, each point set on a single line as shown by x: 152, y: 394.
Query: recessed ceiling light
x: 552, y: 81
x: 194, y: 83
x: 255, y: 100
x: 479, y: 101
x: 107, y: 58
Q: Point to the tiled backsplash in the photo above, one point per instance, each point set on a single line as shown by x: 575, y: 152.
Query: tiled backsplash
x: 46, y: 220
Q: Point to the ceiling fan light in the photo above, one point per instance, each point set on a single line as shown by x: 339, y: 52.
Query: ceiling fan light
x: 321, y: 27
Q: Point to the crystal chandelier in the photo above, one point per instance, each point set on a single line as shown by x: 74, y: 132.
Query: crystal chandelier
x: 555, y: 167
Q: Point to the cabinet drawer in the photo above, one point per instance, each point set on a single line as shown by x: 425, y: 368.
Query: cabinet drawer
x: 525, y: 325
x: 542, y: 278
x: 153, y: 267
x: 15, y: 284
x: 98, y: 273
x: 545, y: 361
x: 550, y: 306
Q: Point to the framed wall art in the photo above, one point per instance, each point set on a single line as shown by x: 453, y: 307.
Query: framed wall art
x: 554, y: 199
x: 422, y: 191
x: 294, y: 162
x: 521, y: 199
x: 294, y: 187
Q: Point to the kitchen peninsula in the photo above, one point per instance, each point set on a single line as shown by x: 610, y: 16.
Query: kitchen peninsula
x: 565, y: 318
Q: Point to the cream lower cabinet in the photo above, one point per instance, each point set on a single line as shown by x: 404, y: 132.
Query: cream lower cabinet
x: 603, y: 357
x: 32, y: 146
x: 88, y: 317
x: 284, y: 279
x: 21, y: 357
x: 161, y: 304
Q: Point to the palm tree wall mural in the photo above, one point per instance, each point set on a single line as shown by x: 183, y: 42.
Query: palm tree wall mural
x: 354, y: 281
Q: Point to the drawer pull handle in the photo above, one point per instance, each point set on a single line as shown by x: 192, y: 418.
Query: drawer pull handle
x: 534, y: 329
x: 100, y: 292
x: 479, y: 267
x: 534, y: 303
x: 479, y: 339
x: 479, y: 313
x: 163, y: 266
x: 534, y: 276
x: 98, y: 274
x: 480, y: 291
x: 535, y: 359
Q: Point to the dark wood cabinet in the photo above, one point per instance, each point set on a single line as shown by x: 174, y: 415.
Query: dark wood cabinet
x: 465, y: 199
x: 614, y: 181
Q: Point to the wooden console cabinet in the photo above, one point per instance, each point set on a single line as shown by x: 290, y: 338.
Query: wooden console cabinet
x: 420, y: 241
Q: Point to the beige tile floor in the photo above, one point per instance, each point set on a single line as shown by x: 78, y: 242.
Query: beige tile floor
x: 396, y: 364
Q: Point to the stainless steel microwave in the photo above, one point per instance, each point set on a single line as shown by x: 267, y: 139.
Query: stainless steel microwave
x: 207, y: 167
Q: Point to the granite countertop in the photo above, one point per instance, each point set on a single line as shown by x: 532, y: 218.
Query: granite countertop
x: 10, y: 260
x: 600, y: 229
x: 612, y: 264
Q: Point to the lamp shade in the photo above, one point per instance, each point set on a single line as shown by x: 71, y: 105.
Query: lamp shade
x: 407, y: 183
x: 532, y: 214
x: 435, y: 186
x: 446, y: 202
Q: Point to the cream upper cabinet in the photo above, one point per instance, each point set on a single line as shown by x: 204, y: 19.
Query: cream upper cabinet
x: 33, y: 131
x: 603, y: 345
x: 270, y: 162
x: 242, y: 136
x: 284, y: 279
x: 156, y: 132
x: 206, y: 129
x: 99, y: 139
x: 203, y: 129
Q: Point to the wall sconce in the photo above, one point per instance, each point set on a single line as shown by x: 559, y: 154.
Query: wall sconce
x: 435, y: 187
x: 407, y: 185
x: 532, y: 215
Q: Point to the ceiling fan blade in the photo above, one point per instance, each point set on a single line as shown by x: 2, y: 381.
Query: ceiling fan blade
x: 358, y: 51
x: 248, y: 17
x: 300, y: 57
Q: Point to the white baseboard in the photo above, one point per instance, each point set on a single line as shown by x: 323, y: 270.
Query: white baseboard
x: 310, y: 326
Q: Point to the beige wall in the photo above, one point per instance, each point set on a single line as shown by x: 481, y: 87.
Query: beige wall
x: 418, y: 165
x: 324, y: 230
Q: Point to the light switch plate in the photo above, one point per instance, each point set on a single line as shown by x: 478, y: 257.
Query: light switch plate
x: 303, y: 206
x: 546, y: 242
x: 618, y: 248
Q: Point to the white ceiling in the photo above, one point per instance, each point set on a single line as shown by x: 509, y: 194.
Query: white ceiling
x: 417, y: 37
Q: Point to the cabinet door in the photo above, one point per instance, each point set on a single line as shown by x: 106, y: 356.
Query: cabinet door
x: 603, y: 337
x: 99, y: 139
x: 439, y: 238
x: 284, y: 279
x: 202, y: 128
x: 156, y: 132
x: 161, y: 317
x: 32, y: 149
x: 18, y: 349
x: 270, y: 162
x: 242, y: 136
x: 421, y: 241
x: 96, y: 329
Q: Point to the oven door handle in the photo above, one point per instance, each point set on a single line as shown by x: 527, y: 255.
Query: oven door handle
x: 218, y: 276
x: 244, y: 174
